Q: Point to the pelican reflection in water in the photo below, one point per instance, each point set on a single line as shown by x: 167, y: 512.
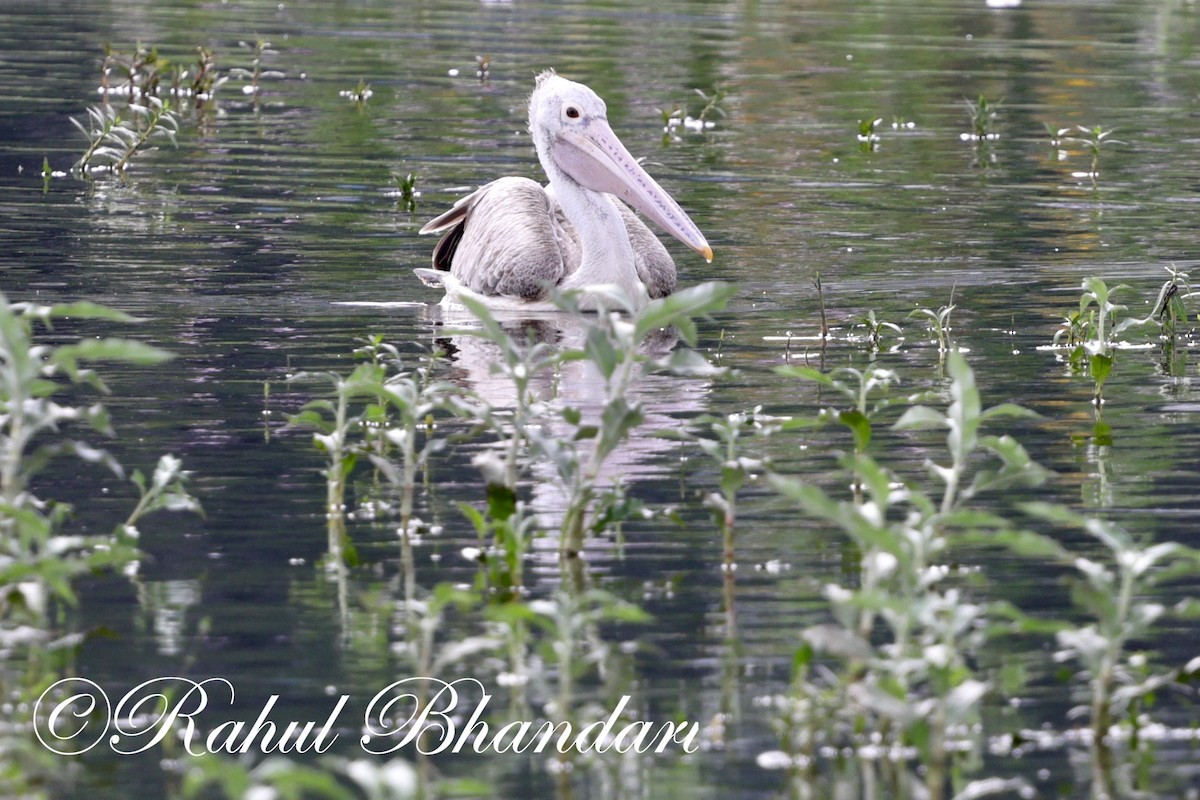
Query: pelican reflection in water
x: 511, y: 241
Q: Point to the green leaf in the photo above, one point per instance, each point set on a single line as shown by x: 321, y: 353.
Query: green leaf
x: 124, y: 350
x: 475, y: 517
x: 807, y: 373
x: 502, y: 501
x: 1101, y: 367
x: 465, y: 787
x: 800, y: 423
x: 85, y: 309
x: 1052, y: 512
x: 349, y: 551
x: 1025, y: 543
x: 860, y: 427
x: 984, y: 523
x: 1010, y: 410
x: 600, y: 351
x: 585, y: 432
x: 388, y: 469
x: 876, y: 478
x: 1004, y: 618
x: 681, y: 307
x: 29, y: 522
x: 802, y: 658
x: 688, y: 363
x: 616, y: 421
x: 732, y: 479
x: 1008, y: 449
x: 918, y: 418
x: 626, y: 612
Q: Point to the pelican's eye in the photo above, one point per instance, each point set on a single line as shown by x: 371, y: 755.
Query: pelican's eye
x: 572, y: 112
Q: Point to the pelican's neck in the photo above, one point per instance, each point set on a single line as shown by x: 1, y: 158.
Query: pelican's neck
x: 606, y: 253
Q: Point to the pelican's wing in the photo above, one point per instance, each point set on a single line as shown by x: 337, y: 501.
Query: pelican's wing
x: 655, y: 267
x: 502, y: 239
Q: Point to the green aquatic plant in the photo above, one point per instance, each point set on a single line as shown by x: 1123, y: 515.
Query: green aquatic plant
x: 207, y: 79
x: 913, y: 684
x: 677, y: 116
x: 868, y: 137
x: 712, y: 105
x: 142, y: 70
x: 116, y: 135
x: 381, y: 406
x: 505, y: 525
x: 156, y: 94
x: 403, y: 416
x: 964, y: 419
x: 49, y: 174
x: 867, y: 392
x: 865, y: 389
x: 725, y: 447
x: 983, y: 114
x: 33, y: 414
x: 816, y: 281
x: 938, y: 323
x: 1096, y: 320
x: 359, y: 95
x: 406, y: 193
x: 569, y: 623
x: 724, y: 438
x: 876, y: 328
x: 357, y: 398
x: 430, y: 651
x: 1170, y: 312
x: 45, y: 415
x: 1095, y: 139
x: 1073, y: 331
x: 611, y: 344
x: 671, y: 120
x: 1057, y: 135
x: 259, y: 49
x: 1119, y: 589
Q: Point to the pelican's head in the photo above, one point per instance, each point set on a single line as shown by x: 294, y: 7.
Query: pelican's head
x: 569, y: 125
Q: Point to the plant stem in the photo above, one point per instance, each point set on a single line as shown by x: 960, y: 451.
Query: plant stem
x: 406, y: 507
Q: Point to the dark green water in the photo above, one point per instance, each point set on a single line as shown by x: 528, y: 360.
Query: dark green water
x: 243, y: 246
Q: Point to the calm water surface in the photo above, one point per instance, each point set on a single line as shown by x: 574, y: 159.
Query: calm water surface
x: 247, y: 247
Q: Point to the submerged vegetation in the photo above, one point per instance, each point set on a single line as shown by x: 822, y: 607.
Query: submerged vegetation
x: 42, y: 552
x: 115, y: 136
x: 893, y: 688
x: 155, y: 93
x: 145, y: 99
x: 983, y: 114
x: 678, y: 116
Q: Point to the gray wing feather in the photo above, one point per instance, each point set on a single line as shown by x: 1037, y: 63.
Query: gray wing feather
x: 502, y: 239
x: 655, y: 267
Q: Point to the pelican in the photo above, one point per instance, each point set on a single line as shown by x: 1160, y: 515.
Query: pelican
x: 512, y: 240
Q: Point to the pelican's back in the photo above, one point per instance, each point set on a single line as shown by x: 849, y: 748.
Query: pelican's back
x: 502, y: 239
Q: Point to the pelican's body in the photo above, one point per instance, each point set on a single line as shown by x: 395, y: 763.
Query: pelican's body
x: 512, y: 241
